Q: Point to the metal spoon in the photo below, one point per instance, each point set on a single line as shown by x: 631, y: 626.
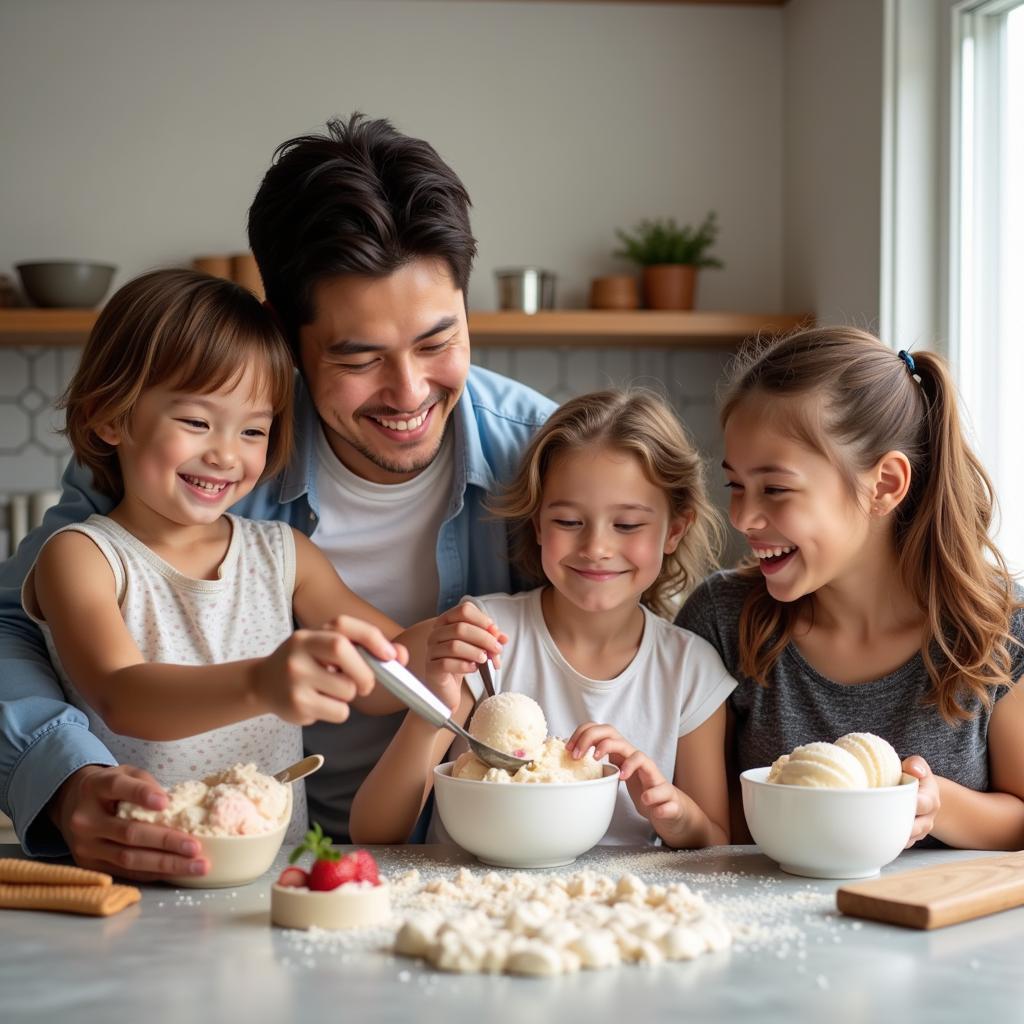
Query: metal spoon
x: 300, y: 769
x: 401, y: 683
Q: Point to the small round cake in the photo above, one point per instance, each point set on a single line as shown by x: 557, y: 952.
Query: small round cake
x: 353, y: 905
x: 340, y: 890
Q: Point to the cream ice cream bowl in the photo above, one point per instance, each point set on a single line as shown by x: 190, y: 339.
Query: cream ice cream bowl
x: 237, y: 860
x: 828, y: 832
x: 526, y: 825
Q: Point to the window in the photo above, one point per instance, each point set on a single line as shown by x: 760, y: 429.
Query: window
x: 986, y: 245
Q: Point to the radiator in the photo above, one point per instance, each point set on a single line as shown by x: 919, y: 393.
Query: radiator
x: 24, y: 512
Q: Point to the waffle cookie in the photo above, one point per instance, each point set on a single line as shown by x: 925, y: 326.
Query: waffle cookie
x: 14, y: 870
x: 98, y: 900
x: 37, y: 885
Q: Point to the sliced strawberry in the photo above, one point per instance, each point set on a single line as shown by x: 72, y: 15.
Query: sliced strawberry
x: 366, y: 867
x: 329, y: 874
x: 294, y: 878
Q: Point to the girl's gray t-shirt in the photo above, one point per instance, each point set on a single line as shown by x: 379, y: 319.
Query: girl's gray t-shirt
x: 799, y: 705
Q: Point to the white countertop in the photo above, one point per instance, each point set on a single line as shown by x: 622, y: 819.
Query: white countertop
x: 212, y: 955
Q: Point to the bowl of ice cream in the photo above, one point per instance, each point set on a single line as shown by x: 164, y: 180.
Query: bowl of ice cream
x: 238, y: 815
x: 832, y: 810
x: 533, y: 825
x: 543, y: 815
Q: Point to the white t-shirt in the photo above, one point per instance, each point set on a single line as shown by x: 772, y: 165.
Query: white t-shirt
x: 382, y: 540
x: 377, y: 534
x: 246, y: 612
x: 673, y: 685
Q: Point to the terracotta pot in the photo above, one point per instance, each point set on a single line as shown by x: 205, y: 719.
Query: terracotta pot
x: 669, y: 286
x: 617, y: 291
x: 216, y: 266
x: 245, y: 272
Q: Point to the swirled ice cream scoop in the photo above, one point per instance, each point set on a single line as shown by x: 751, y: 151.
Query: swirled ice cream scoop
x: 858, y: 760
x: 880, y: 761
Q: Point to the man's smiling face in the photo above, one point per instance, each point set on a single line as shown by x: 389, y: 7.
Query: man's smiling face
x: 385, y: 360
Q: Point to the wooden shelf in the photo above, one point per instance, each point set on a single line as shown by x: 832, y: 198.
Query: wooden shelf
x: 582, y: 327
x: 606, y: 328
x: 45, y: 326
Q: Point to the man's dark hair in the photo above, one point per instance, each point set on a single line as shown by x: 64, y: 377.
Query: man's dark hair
x: 362, y: 199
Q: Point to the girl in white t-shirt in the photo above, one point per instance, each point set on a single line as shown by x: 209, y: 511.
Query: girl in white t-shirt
x: 609, y: 512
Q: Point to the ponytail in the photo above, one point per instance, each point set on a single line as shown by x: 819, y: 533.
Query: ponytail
x: 949, y: 561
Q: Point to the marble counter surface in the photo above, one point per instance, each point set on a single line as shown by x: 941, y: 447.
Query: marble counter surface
x: 212, y: 955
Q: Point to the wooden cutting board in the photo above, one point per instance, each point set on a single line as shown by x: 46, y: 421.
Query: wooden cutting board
x: 936, y: 896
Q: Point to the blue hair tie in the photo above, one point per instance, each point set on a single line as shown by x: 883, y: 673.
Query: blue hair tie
x: 908, y: 359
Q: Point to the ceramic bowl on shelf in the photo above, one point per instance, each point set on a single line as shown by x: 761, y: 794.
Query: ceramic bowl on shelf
x: 237, y: 860
x: 65, y: 284
x: 525, y: 825
x: 828, y: 833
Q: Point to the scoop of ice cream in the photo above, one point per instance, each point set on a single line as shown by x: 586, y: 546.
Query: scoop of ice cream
x: 822, y: 765
x: 238, y: 801
x: 776, y: 768
x: 880, y: 761
x: 232, y: 814
x: 510, y: 722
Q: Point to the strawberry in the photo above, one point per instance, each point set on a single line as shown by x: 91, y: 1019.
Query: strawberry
x: 329, y: 874
x: 330, y: 869
x: 294, y: 878
x: 366, y: 867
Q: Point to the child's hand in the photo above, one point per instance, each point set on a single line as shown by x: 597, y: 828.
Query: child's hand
x: 315, y: 673
x: 608, y: 742
x: 459, y: 642
x: 667, y: 808
x: 928, y: 801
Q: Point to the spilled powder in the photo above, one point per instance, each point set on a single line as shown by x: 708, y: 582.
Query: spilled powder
x: 611, y: 910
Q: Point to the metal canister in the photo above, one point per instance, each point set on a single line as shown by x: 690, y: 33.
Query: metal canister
x: 525, y: 289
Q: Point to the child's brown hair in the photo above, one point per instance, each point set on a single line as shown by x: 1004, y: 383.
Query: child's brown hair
x: 641, y: 423
x: 857, y: 400
x: 181, y: 329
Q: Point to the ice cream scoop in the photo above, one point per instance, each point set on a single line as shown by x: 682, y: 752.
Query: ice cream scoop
x: 880, y: 761
x: 822, y: 765
x: 401, y: 683
x: 511, y: 722
x: 300, y: 769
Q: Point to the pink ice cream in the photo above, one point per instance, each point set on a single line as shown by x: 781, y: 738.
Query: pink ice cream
x: 238, y: 801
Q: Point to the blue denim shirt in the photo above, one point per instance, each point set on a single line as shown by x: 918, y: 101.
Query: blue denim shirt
x: 43, y: 739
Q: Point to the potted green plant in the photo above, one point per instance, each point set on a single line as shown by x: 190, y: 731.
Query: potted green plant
x: 670, y: 256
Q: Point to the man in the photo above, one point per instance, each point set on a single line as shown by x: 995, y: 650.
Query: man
x: 362, y: 237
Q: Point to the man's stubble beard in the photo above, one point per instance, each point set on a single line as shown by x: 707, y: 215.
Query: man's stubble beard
x: 389, y: 466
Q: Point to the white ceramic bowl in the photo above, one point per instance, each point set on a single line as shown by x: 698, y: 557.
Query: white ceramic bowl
x: 237, y: 860
x: 828, y: 833
x: 525, y: 825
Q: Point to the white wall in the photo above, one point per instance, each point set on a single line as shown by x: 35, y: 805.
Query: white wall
x: 832, y: 165
x: 137, y: 132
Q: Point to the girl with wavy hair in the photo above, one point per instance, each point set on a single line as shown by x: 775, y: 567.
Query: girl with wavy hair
x: 610, y: 518
x: 874, y: 598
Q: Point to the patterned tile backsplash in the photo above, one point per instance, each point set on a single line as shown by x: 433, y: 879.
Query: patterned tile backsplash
x: 33, y: 453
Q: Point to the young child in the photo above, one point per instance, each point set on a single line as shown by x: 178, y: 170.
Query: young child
x: 876, y: 600
x: 170, y: 621
x: 609, y: 510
